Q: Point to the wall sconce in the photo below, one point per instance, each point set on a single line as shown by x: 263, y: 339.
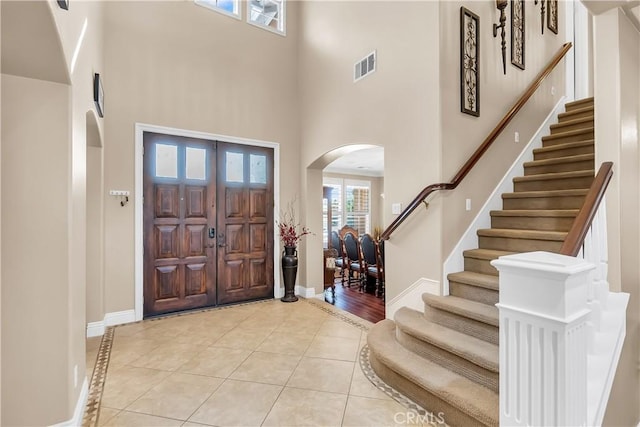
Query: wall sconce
x: 541, y: 13
x: 501, y: 5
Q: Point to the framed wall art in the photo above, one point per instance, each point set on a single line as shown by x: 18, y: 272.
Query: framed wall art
x: 552, y: 16
x: 469, y: 62
x: 517, y: 33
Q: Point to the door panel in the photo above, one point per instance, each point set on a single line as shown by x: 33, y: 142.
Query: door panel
x: 179, y: 208
x: 245, y: 188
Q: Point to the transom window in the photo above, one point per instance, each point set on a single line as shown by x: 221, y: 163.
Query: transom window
x: 268, y: 14
x: 227, y: 7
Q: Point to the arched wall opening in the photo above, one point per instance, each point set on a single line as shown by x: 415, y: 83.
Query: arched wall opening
x: 312, y: 274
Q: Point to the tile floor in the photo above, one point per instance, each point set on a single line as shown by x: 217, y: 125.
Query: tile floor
x: 268, y: 363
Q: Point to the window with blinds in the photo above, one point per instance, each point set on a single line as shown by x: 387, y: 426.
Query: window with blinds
x: 350, y: 205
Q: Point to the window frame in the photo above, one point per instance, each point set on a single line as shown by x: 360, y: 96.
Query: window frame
x: 207, y: 4
x: 282, y: 19
x: 343, y: 183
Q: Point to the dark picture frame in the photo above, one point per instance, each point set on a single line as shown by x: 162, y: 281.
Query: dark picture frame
x: 469, y: 62
x: 64, y: 4
x: 98, y: 94
x: 518, y: 33
x: 552, y: 16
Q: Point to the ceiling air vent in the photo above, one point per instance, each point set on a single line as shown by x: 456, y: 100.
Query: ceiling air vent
x: 365, y: 66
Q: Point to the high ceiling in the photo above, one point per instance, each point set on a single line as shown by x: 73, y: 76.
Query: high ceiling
x: 368, y: 162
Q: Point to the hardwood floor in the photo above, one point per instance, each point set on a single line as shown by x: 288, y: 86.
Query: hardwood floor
x: 362, y: 304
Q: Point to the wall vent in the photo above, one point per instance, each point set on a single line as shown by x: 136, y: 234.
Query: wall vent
x: 365, y: 66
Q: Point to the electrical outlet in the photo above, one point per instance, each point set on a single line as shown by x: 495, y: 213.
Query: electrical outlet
x: 75, y: 376
x: 396, y: 208
x: 468, y: 204
x: 516, y: 137
x: 553, y: 90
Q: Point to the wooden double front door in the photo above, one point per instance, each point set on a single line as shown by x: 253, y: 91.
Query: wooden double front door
x: 208, y: 223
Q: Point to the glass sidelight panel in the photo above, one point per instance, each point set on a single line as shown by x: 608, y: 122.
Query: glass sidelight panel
x: 235, y: 167
x: 196, y: 160
x: 257, y: 169
x: 166, y: 161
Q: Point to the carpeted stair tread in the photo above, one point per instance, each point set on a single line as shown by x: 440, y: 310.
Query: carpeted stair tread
x: 523, y: 234
x: 468, y: 397
x: 587, y: 132
x: 578, y: 123
x: 580, y: 103
x: 485, y: 254
x: 537, y: 212
x: 486, y: 281
x: 566, y: 145
x: 545, y: 193
x: 560, y: 160
x: 586, y: 111
x: 463, y: 307
x: 475, y: 350
x: 552, y: 176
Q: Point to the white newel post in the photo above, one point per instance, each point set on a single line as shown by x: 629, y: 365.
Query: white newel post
x: 543, y: 339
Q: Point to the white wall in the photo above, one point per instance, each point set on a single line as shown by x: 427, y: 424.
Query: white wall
x: 617, y: 89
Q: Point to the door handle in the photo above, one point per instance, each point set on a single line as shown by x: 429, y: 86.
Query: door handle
x: 221, y: 240
x: 212, y: 232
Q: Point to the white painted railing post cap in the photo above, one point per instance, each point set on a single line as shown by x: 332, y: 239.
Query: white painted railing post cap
x: 543, y: 261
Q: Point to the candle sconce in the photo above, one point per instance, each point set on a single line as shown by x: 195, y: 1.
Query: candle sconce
x: 541, y: 13
x: 501, y: 5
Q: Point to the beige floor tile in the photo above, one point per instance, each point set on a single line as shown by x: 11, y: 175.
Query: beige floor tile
x: 333, y: 348
x: 338, y: 328
x: 106, y: 414
x: 192, y: 424
x: 297, y: 407
x: 364, y: 411
x: 216, y: 362
x: 322, y: 375
x: 177, y: 396
x: 248, y: 339
x: 269, y: 368
x: 133, y: 419
x: 125, y: 385
x: 361, y: 386
x: 300, y: 325
x: 168, y: 357
x: 238, y: 403
x: 286, y: 343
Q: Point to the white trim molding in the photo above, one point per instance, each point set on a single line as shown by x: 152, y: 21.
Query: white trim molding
x: 140, y: 128
x: 412, y: 296
x: 96, y: 329
x: 78, y: 412
x: 305, y: 292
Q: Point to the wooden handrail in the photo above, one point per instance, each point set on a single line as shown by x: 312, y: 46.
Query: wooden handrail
x: 581, y: 225
x: 466, y: 168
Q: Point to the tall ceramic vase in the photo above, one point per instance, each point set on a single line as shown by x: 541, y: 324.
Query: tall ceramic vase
x: 289, y: 272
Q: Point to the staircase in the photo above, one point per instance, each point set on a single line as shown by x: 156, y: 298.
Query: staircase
x: 446, y: 358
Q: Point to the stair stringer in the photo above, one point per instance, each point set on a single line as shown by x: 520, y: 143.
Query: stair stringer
x: 469, y: 240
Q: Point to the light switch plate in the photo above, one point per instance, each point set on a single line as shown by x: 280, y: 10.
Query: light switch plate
x: 396, y: 208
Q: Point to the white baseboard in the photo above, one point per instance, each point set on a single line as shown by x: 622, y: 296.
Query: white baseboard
x: 96, y: 329
x: 469, y: 240
x: 305, y: 292
x: 412, y: 296
x: 78, y: 413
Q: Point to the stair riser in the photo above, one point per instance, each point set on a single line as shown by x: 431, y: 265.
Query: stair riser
x: 554, y: 154
x: 462, y: 324
x: 577, y: 115
x: 532, y: 223
x: 479, y: 266
x: 449, y: 360
x: 578, y: 105
x: 473, y: 293
x: 518, y: 245
x: 569, y: 202
x: 553, y: 184
x: 559, y: 167
x: 555, y: 129
x: 582, y: 136
x: 453, y: 416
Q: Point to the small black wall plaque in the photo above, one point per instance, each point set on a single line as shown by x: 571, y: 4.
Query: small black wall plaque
x: 98, y: 94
